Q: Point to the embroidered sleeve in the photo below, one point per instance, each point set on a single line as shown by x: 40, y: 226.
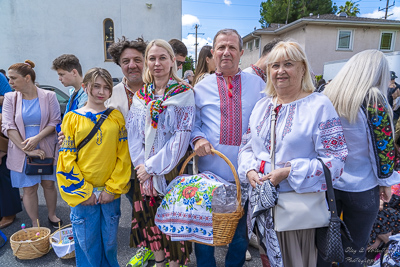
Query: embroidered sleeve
x: 118, y: 183
x: 246, y: 158
x: 197, y: 133
x: 381, y: 144
x: 72, y: 185
x: 135, y: 127
x: 175, y: 148
x: 306, y: 174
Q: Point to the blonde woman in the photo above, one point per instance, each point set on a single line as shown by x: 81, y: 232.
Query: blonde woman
x: 159, y: 125
x: 307, y: 127
x: 358, y: 94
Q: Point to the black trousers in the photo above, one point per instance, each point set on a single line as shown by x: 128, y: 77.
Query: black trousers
x: 10, y: 202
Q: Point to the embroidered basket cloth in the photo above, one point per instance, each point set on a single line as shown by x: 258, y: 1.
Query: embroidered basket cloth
x: 186, y: 214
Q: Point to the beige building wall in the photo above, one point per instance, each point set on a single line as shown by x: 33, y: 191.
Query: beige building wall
x: 319, y: 42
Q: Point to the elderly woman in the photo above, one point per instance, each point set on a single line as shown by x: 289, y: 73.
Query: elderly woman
x: 307, y: 127
x: 159, y: 125
x: 30, y: 115
x: 358, y: 95
x: 206, y: 65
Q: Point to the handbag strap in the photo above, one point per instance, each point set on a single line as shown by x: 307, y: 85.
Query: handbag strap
x: 273, y: 136
x: 96, y: 127
x: 329, y: 191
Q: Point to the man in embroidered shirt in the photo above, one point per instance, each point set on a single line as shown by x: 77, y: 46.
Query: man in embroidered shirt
x: 260, y: 68
x: 69, y: 72
x: 129, y: 55
x: 224, y: 102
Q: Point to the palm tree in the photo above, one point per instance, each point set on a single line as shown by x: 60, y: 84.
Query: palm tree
x: 350, y: 9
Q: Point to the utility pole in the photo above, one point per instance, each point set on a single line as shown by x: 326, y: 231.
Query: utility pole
x: 196, y: 44
x: 386, y: 8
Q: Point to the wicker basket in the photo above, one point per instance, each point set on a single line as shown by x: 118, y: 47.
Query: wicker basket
x: 52, y: 241
x: 224, y: 224
x: 26, y: 245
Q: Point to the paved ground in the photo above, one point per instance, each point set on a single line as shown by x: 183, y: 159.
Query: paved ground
x: 124, y: 251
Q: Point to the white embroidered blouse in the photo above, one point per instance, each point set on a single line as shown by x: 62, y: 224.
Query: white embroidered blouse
x: 160, y: 151
x: 305, y: 129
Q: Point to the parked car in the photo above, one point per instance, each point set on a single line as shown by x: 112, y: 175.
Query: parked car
x: 116, y: 81
x: 61, y: 96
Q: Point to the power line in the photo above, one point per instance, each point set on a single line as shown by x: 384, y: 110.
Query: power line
x: 196, y: 44
x: 386, y: 8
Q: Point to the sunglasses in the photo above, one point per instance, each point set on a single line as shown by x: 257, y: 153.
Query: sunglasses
x: 179, y: 63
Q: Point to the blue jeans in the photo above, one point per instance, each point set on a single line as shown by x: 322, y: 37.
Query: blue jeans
x: 360, y: 210
x: 95, y: 231
x: 236, y: 255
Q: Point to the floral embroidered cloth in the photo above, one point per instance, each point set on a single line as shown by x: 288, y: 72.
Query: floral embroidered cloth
x: 185, y: 212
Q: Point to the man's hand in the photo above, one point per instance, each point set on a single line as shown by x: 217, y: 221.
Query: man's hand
x: 253, y: 178
x: 141, y: 173
x: 36, y: 153
x: 277, y: 176
x: 396, y: 94
x: 90, y: 201
x: 105, y: 198
x: 30, y: 143
x: 385, y: 193
x: 61, y: 137
x: 202, y: 147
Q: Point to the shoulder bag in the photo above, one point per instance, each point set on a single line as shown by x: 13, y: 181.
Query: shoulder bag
x: 295, y: 211
x: 329, y: 239
x: 37, y: 166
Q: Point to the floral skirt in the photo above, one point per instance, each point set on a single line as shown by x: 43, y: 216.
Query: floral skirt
x: 145, y: 233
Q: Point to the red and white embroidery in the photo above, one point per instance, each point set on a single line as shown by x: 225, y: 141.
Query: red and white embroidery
x: 231, y: 111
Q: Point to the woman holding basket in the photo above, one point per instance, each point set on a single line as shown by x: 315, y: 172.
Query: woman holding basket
x: 307, y: 127
x: 159, y: 125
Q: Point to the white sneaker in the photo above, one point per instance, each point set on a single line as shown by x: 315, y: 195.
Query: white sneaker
x: 248, y: 255
x: 253, y: 241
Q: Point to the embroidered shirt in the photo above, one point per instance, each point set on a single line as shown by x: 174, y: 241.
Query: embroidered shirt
x: 256, y: 71
x: 221, y: 123
x: 103, y: 161
x: 305, y: 129
x: 360, y: 172
x: 160, y: 148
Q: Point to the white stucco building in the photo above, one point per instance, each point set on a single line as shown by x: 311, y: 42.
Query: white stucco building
x: 41, y: 30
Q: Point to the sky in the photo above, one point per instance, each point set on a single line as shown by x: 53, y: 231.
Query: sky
x: 243, y: 15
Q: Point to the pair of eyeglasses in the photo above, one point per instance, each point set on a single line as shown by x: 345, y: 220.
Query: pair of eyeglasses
x: 179, y: 63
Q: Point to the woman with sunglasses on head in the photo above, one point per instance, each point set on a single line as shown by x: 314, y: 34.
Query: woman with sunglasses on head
x: 30, y: 115
x: 159, y: 125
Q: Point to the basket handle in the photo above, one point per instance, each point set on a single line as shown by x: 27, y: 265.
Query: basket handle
x: 237, y: 182
x: 65, y: 226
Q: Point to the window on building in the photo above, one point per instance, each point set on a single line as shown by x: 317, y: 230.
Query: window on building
x: 257, y: 43
x: 345, y: 40
x: 250, y: 45
x: 108, y: 29
x: 387, y: 40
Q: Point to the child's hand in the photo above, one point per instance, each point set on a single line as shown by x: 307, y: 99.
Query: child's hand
x: 61, y: 137
x: 90, y: 201
x: 105, y: 198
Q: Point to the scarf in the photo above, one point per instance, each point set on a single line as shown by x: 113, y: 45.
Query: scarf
x: 381, y: 133
x: 157, y: 107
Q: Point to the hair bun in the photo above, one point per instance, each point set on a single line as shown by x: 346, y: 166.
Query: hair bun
x: 30, y: 63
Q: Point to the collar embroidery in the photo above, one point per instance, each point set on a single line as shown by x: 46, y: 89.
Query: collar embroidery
x: 260, y: 72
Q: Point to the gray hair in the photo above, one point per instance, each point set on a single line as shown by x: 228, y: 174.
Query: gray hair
x: 229, y: 32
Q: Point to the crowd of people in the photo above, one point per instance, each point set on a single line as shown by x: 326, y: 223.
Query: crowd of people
x: 268, y: 120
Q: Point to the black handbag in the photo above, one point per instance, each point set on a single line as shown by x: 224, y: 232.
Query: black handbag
x: 329, y: 239
x: 37, y: 166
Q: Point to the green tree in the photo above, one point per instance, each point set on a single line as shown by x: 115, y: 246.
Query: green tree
x: 188, y: 65
x: 350, y: 8
x: 287, y: 11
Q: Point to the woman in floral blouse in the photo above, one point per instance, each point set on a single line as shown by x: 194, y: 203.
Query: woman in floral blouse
x: 358, y: 95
